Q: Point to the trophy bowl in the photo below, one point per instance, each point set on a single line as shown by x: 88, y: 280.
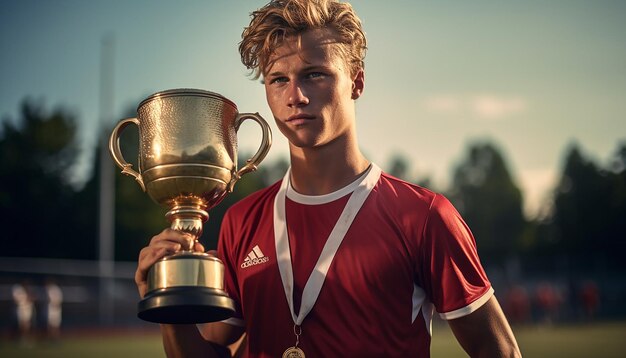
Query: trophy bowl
x: 188, y: 164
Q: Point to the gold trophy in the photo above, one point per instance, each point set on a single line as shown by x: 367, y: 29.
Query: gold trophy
x: 187, y: 163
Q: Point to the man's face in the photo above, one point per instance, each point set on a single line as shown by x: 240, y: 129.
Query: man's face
x: 310, y: 90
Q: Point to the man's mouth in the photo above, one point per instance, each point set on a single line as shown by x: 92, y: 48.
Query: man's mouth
x: 299, y: 118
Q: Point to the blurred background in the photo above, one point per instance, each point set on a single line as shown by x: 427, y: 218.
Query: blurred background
x: 515, y: 111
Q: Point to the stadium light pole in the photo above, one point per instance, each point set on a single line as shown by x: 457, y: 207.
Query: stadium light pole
x: 106, y: 212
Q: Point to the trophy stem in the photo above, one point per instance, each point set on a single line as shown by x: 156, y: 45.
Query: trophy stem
x: 188, y: 218
x: 186, y: 287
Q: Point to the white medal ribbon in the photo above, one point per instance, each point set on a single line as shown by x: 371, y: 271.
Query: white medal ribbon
x: 283, y: 253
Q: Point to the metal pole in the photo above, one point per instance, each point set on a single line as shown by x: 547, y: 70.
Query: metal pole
x: 106, y: 240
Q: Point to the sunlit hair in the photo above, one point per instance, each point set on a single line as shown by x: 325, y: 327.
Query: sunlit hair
x: 279, y: 19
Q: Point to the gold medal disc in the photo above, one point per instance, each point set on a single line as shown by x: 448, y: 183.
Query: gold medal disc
x: 293, y: 352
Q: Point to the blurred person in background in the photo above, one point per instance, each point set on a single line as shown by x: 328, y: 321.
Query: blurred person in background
x: 54, y: 300
x: 24, y: 311
x: 398, y: 251
x: 590, y: 299
x: 517, y: 304
x: 549, y: 300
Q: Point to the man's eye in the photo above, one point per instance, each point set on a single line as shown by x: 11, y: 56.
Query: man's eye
x: 278, y: 80
x: 315, y: 75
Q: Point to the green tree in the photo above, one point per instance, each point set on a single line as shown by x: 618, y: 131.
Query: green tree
x: 589, y: 210
x: 488, y: 199
x: 617, y: 203
x: 37, y: 202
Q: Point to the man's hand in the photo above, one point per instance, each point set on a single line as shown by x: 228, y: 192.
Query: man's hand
x: 165, y: 243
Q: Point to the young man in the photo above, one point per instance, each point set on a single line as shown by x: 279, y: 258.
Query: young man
x: 349, y: 260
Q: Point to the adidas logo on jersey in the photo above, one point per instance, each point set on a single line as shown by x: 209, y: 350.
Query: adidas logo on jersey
x: 255, y: 257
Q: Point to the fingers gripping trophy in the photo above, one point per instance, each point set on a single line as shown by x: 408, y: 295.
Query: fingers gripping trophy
x: 187, y: 163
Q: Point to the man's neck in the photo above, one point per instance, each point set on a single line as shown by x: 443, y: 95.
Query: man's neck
x: 323, y: 170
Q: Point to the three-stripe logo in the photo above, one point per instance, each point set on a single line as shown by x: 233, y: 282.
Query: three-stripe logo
x: 255, y: 257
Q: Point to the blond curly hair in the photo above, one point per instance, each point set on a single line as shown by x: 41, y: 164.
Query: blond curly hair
x: 280, y: 19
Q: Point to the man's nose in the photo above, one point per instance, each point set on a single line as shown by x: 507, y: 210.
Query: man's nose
x: 297, y: 95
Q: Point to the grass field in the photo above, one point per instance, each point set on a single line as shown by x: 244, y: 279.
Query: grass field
x: 598, y: 340
x: 588, y: 340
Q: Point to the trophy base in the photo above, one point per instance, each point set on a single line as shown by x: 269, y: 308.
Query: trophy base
x: 186, y: 305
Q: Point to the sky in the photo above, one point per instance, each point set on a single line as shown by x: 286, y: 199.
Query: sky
x: 532, y: 77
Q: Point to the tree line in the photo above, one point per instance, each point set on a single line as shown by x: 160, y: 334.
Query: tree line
x: 45, y: 215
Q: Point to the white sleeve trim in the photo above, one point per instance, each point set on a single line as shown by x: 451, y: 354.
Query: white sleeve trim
x: 464, y: 311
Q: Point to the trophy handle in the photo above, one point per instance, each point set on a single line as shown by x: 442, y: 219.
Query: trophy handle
x: 266, y: 142
x: 116, y: 152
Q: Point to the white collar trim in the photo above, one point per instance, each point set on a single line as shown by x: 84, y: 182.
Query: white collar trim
x: 292, y: 194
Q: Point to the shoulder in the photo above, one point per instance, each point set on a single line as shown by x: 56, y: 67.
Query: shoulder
x: 421, y: 211
x: 398, y: 192
x: 431, y: 201
x: 442, y: 213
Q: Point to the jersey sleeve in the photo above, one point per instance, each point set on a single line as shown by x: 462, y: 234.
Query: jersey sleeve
x: 450, y: 270
x: 225, y: 253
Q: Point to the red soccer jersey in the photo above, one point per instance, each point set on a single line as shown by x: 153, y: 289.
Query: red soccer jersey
x: 407, y: 251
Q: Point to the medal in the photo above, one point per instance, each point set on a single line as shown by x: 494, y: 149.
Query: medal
x: 295, y: 352
x: 283, y: 254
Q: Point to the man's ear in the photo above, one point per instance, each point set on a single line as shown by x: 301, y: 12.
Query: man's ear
x: 358, y: 84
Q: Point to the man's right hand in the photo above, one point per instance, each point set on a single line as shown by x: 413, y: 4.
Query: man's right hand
x: 165, y: 243
x: 184, y: 340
